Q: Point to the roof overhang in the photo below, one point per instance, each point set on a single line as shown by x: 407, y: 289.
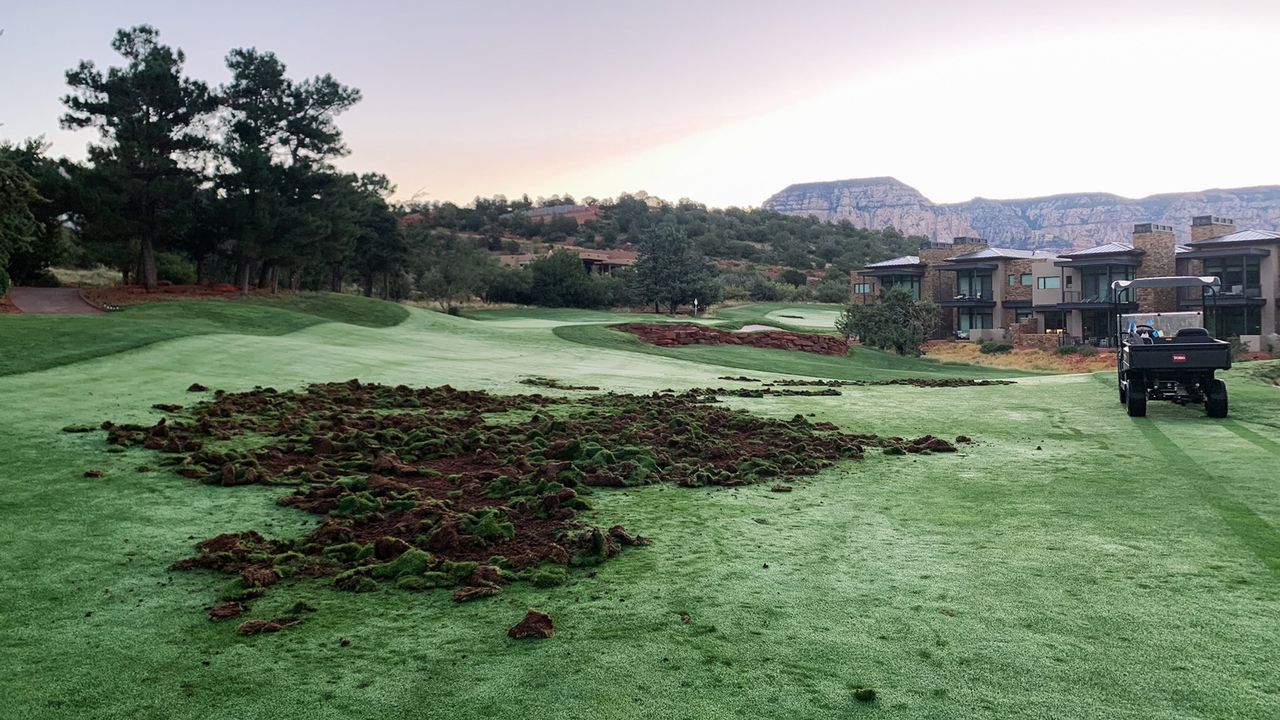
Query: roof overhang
x: 1095, y: 305
x: 1224, y: 251
x: 1124, y: 259
x: 967, y: 303
x: 898, y: 270
x: 1222, y: 301
x: 1017, y: 303
x: 1169, y: 281
x: 957, y: 267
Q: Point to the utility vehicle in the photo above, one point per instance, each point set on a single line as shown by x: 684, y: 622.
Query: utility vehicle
x: 1169, y: 356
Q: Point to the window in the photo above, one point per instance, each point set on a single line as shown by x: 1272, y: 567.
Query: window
x: 973, y: 284
x: 1049, y: 282
x: 1240, y: 274
x: 973, y: 318
x: 1026, y: 279
x: 1069, y: 279
x: 1234, y: 321
x: 1096, y: 282
x: 861, y: 288
x: 1013, y: 280
x: 910, y: 282
x: 1020, y: 314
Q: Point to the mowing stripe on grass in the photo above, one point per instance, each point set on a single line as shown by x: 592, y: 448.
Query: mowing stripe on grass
x: 1257, y: 440
x: 1256, y: 533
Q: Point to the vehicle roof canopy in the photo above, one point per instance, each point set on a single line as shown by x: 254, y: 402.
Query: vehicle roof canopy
x: 1168, y: 282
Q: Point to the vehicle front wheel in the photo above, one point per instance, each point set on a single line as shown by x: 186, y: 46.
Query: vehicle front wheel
x: 1215, y: 399
x: 1136, y: 400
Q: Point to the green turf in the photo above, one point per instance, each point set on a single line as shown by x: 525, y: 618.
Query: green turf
x: 37, y: 342
x: 862, y: 363
x: 1075, y: 563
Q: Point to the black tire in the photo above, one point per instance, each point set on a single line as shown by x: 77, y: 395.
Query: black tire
x: 1215, y: 400
x: 1136, y: 402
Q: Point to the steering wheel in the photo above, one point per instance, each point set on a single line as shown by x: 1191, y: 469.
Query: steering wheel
x: 1138, y: 328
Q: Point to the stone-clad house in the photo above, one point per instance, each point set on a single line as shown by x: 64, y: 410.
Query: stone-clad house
x: 993, y: 293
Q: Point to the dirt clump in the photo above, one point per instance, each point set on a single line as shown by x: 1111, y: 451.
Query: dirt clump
x: 422, y: 488
x: 554, y: 384
x: 255, y: 627
x: 534, y: 625
x: 197, y: 387
x: 676, y: 334
x: 229, y: 609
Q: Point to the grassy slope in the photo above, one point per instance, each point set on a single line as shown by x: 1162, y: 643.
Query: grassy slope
x: 37, y: 342
x: 1126, y: 568
x: 861, y: 364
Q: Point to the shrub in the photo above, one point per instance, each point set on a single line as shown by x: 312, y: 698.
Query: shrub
x: 4, y: 282
x: 1087, y: 351
x: 994, y: 348
x: 1238, y: 348
x: 175, y: 268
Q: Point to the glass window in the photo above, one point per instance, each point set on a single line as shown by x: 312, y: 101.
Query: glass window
x: 1235, y: 321
x: 1020, y: 314
x: 1240, y: 274
x: 973, y: 284
x: 1026, y: 279
x: 910, y: 282
x: 1049, y: 282
x: 1013, y: 280
x: 862, y: 288
x: 974, y: 318
x: 1069, y: 279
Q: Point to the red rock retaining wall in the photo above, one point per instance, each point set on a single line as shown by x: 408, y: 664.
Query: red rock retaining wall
x: 674, y: 334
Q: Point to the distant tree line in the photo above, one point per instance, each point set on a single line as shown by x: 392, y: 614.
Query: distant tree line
x: 192, y: 183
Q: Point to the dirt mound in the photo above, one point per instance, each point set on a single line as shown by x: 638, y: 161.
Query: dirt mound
x: 554, y: 384
x: 422, y: 488
x: 675, y: 334
x: 534, y: 625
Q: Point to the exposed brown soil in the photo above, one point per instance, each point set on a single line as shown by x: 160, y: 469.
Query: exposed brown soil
x: 114, y: 297
x: 436, y: 487
x: 534, y: 625
x: 7, y: 307
x: 675, y: 334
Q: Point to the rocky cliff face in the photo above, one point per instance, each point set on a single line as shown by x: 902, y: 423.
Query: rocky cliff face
x: 1059, y: 221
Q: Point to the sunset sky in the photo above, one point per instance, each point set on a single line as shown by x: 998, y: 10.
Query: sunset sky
x: 727, y: 102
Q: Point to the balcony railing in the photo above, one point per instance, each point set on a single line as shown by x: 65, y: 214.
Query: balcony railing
x: 1192, y: 294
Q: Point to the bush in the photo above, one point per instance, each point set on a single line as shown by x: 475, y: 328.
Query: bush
x: 4, y: 282
x: 1081, y: 350
x: 832, y: 291
x: 994, y: 348
x: 175, y: 268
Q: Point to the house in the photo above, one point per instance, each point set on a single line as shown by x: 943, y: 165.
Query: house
x: 579, y: 213
x: 602, y: 262
x: 987, y: 291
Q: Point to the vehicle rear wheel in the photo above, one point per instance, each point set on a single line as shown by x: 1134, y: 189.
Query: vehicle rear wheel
x: 1215, y: 399
x: 1136, y: 400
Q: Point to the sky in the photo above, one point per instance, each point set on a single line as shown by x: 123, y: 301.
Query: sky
x: 728, y: 101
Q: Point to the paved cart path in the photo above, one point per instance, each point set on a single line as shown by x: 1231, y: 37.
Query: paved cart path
x: 51, y: 301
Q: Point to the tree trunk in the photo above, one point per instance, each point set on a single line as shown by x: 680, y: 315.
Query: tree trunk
x: 368, y: 285
x: 242, y: 275
x: 275, y: 281
x: 335, y: 278
x: 147, y: 265
x: 202, y: 270
x: 264, y: 275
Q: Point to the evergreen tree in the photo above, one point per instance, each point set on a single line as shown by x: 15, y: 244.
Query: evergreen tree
x: 670, y: 271
x: 151, y: 120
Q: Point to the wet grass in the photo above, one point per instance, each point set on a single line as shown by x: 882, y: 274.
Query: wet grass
x: 1073, y: 563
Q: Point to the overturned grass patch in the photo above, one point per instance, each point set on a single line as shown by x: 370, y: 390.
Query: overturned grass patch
x: 423, y: 488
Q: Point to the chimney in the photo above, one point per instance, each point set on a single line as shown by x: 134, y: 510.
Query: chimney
x: 1158, y: 244
x: 1208, y: 227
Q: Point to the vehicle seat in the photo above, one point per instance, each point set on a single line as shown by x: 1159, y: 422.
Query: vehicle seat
x: 1193, y: 335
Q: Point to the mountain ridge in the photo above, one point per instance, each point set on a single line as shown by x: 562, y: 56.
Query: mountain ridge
x: 1060, y: 221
